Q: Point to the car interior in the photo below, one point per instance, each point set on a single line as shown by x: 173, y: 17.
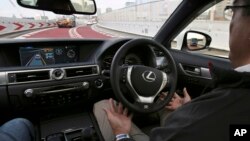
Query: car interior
x: 58, y: 98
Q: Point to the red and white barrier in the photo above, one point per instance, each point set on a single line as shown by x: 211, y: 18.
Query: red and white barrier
x: 11, y: 25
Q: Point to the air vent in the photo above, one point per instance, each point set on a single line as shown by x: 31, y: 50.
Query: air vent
x: 83, y: 71
x: 28, y: 76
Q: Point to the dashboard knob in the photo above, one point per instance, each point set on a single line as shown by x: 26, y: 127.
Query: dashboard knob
x: 29, y: 93
x: 85, y: 85
x: 98, y: 83
x: 58, y: 74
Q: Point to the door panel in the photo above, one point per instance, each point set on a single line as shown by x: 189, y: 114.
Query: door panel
x: 194, y: 71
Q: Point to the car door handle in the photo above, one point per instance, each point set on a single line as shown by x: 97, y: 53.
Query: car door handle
x: 195, y: 71
x: 192, y: 70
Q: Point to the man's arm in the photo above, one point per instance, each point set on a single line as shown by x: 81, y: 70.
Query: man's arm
x: 119, y: 120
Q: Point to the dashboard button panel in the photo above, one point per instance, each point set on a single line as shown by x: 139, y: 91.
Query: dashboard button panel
x: 56, y: 95
x: 41, y: 75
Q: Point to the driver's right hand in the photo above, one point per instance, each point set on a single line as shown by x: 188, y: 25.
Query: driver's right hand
x: 177, y: 101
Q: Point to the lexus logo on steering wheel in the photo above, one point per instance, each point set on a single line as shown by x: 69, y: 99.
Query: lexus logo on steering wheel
x: 149, y: 76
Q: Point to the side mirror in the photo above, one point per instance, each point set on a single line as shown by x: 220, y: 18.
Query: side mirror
x: 66, y: 7
x: 194, y: 40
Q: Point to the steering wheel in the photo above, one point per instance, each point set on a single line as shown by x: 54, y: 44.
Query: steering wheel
x: 139, y: 87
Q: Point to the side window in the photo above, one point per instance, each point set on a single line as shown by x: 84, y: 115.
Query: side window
x: 214, y: 23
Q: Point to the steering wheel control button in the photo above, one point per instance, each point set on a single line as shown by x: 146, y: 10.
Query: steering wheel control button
x: 29, y: 93
x: 167, y: 70
x: 58, y: 74
x: 99, y: 83
x: 124, y: 74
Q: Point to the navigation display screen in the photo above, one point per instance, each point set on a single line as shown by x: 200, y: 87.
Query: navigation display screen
x: 36, y: 56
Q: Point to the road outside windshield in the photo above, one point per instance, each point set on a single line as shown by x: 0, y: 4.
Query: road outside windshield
x: 114, y: 19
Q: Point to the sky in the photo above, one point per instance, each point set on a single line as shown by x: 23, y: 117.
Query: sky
x: 114, y: 4
x: 10, y: 9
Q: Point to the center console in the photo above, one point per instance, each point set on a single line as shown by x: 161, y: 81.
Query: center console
x: 77, y: 127
x: 53, y: 84
x: 58, y: 87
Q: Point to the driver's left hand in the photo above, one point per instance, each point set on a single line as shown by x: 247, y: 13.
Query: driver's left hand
x: 118, y: 118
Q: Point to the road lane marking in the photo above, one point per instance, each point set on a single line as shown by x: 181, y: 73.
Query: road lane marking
x: 93, y: 27
x: 73, y: 33
x: 113, y: 35
x: 76, y: 33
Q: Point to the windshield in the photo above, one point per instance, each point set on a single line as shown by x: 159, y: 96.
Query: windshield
x: 114, y: 19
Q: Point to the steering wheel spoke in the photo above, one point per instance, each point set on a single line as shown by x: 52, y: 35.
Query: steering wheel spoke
x: 148, y: 100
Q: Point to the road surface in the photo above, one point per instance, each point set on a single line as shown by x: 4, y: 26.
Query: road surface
x: 80, y: 32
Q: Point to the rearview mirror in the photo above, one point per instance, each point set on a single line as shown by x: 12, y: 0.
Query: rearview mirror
x: 68, y: 7
x: 194, y: 40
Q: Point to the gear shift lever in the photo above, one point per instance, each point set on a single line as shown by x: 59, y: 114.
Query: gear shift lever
x: 88, y: 134
x: 55, y: 137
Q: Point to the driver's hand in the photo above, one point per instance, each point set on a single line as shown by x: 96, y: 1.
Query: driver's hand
x: 118, y: 118
x: 178, y: 101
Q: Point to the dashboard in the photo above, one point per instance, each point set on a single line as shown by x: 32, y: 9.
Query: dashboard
x: 41, y: 74
x: 38, y: 74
